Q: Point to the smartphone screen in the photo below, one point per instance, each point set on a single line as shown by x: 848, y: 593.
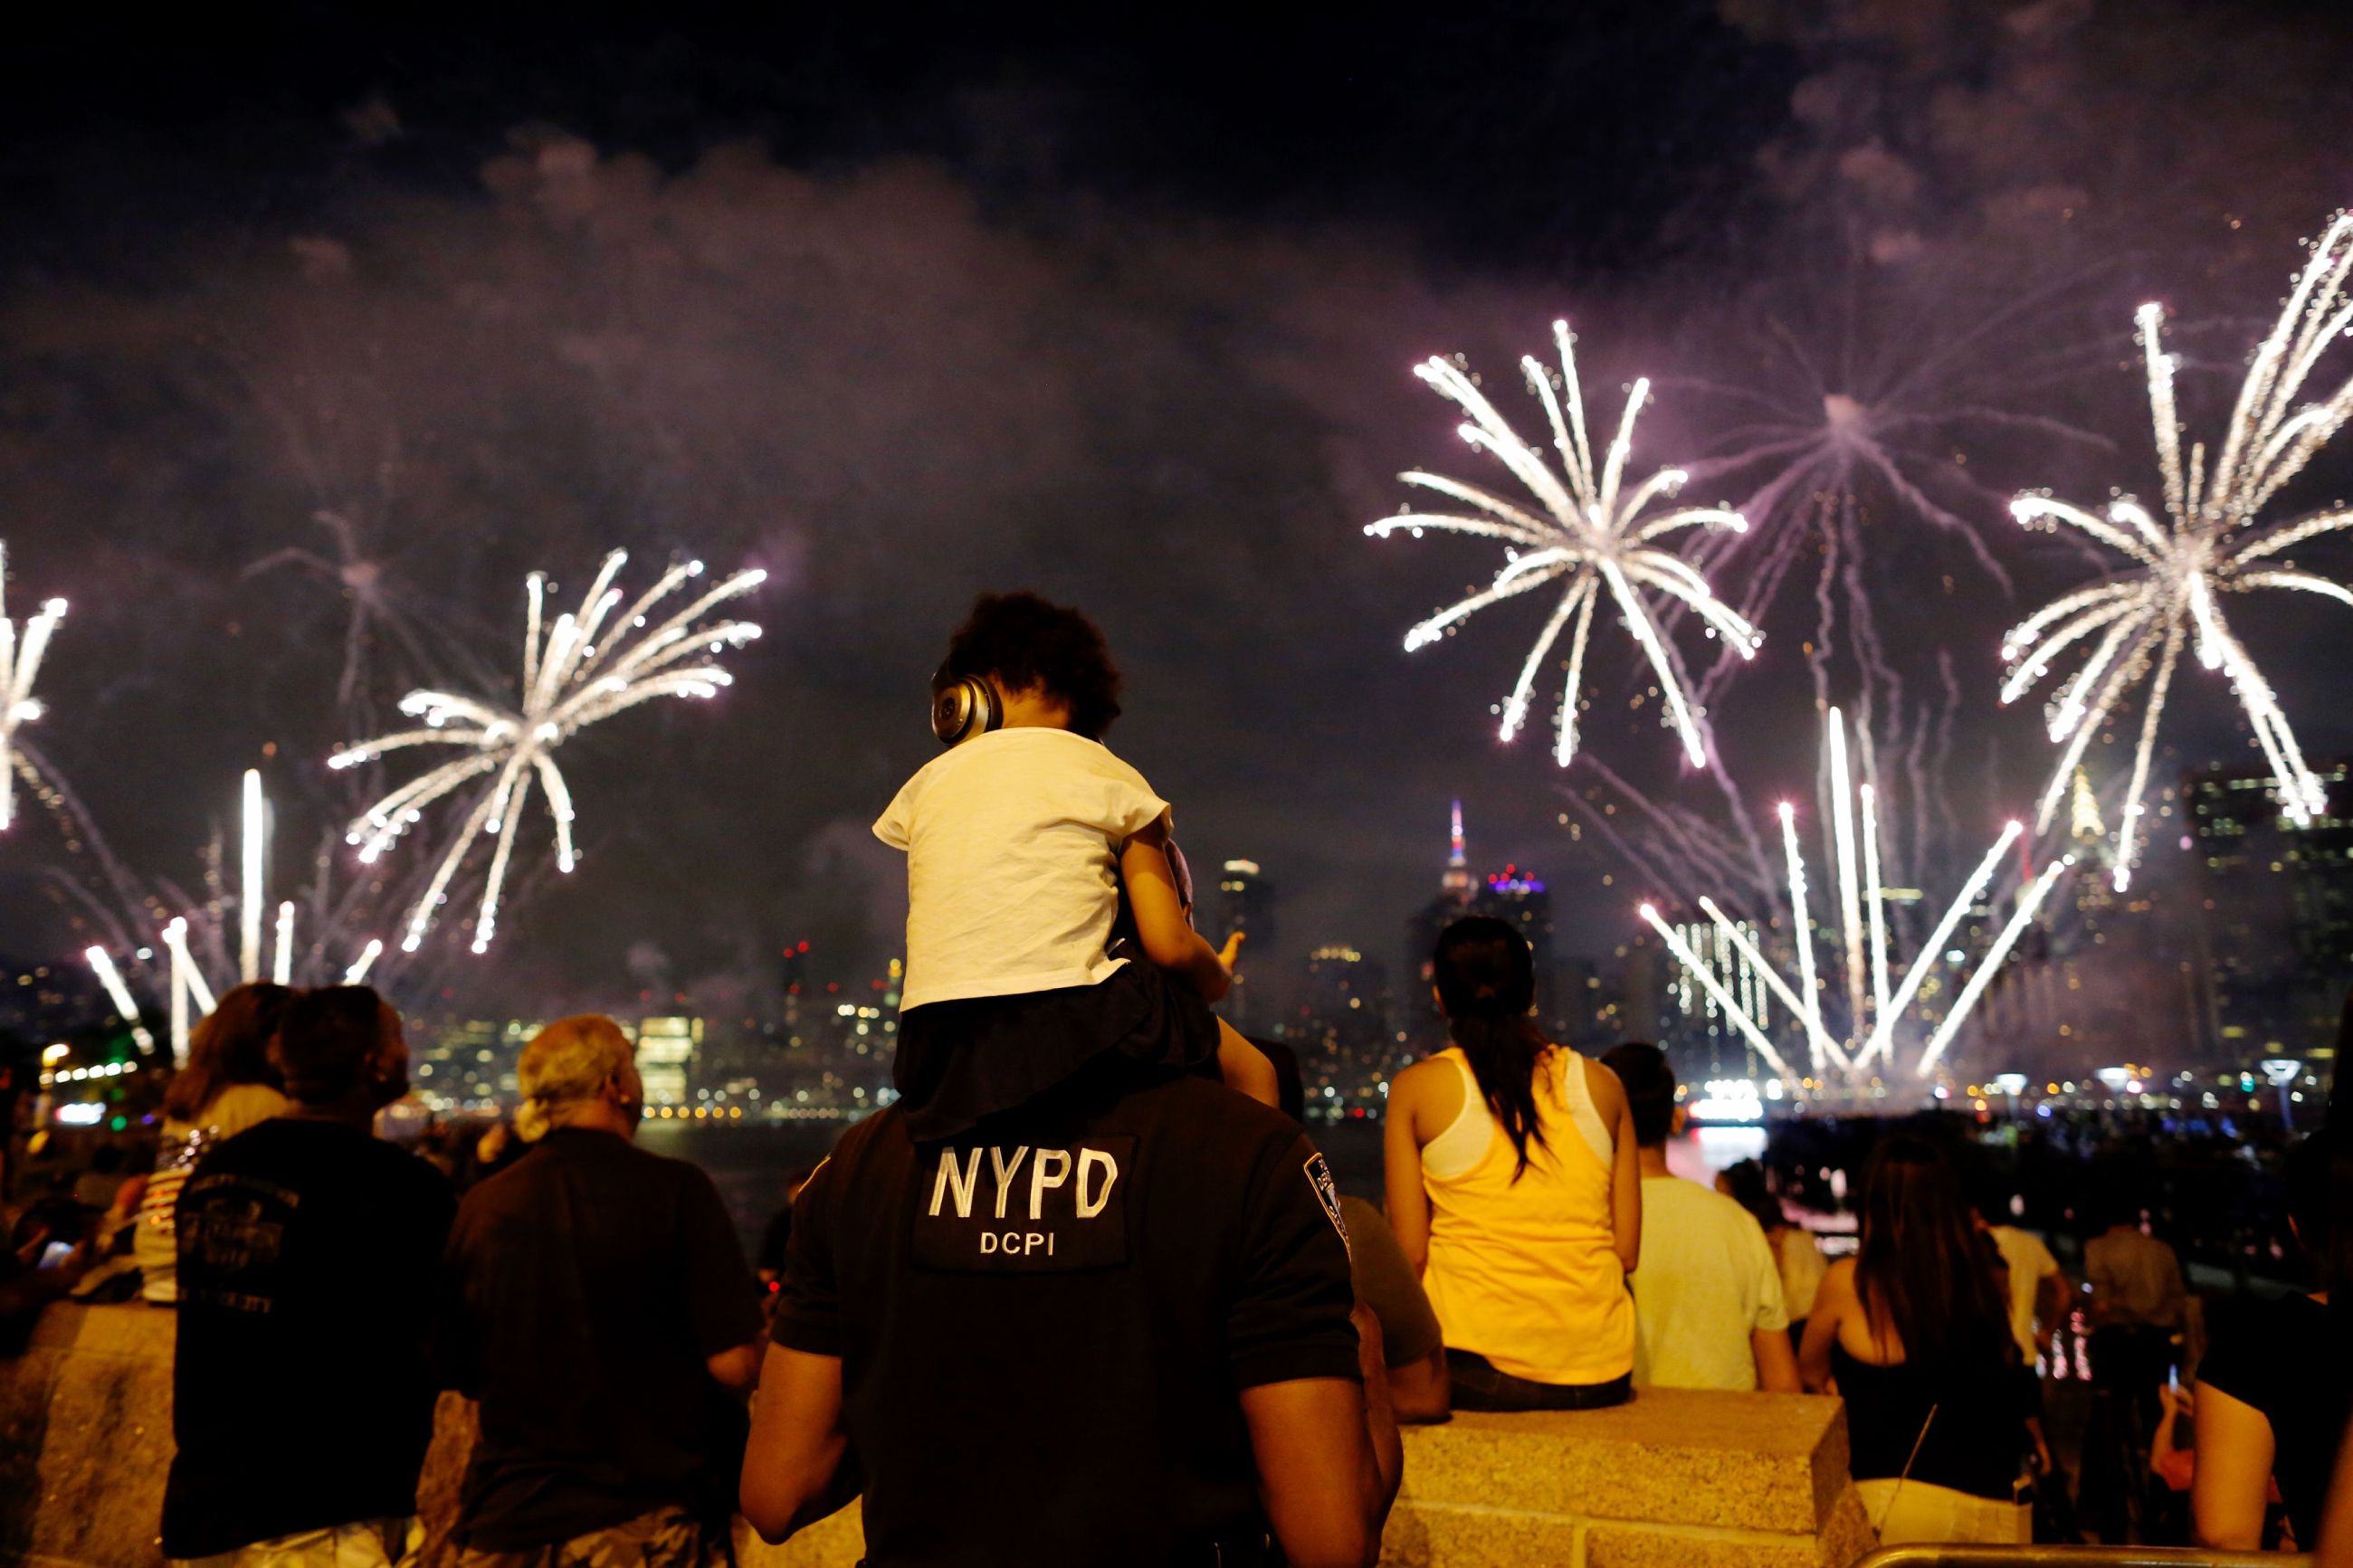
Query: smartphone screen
x: 54, y: 1256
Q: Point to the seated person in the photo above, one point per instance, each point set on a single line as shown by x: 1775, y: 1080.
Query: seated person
x: 1412, y: 1346
x: 1707, y: 1292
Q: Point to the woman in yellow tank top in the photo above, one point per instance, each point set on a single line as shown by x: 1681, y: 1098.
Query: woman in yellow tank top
x: 1514, y: 1188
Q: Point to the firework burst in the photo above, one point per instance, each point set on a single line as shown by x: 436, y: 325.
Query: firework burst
x: 2211, y: 543
x: 1594, y: 536
x: 1871, y: 1002
x: 571, y: 679
x: 377, y: 607
x: 20, y: 661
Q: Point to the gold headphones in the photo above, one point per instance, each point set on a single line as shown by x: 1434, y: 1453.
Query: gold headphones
x: 964, y: 708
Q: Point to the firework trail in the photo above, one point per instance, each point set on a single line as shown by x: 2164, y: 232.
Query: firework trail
x: 337, y: 916
x: 1673, y: 847
x: 79, y: 832
x: 570, y: 681
x: 1594, y: 537
x: 1849, y: 413
x: 1875, y: 1003
x: 20, y: 661
x: 378, y: 608
x: 21, y: 652
x: 1681, y: 851
x: 2211, y: 543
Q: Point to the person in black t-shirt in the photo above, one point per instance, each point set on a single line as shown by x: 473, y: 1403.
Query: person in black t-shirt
x: 2274, y: 1393
x: 1109, y: 1325
x: 599, y: 1306
x: 302, y: 1400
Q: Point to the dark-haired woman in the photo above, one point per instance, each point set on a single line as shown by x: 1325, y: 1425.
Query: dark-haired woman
x: 2275, y: 1392
x: 226, y: 1086
x: 1514, y: 1188
x: 1913, y: 1333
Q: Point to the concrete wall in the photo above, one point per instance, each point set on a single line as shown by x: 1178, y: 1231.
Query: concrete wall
x: 1695, y: 1481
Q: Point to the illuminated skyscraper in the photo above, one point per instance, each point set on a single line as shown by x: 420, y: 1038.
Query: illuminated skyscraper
x: 1517, y: 898
x: 665, y: 1056
x: 1512, y: 895
x: 1341, y: 1031
x: 1457, y: 881
x: 2278, y: 913
x: 1419, y: 1016
x: 1245, y: 903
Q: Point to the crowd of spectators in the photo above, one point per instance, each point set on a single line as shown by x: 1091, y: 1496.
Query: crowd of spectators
x: 1073, y: 1298
x: 1538, y: 1254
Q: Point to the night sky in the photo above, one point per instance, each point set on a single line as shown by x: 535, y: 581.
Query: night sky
x: 906, y: 307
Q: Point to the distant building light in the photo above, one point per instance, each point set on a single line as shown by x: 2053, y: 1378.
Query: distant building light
x: 1732, y: 1101
x: 1242, y: 868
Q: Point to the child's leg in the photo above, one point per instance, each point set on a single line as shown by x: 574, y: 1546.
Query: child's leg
x: 1245, y: 1068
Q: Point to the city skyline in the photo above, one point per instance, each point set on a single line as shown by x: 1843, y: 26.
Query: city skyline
x: 817, y: 1042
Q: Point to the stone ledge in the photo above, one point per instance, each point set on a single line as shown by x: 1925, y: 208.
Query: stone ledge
x: 134, y: 1332
x: 1697, y: 1480
x: 85, y: 1438
x: 837, y: 1540
x: 1740, y: 1461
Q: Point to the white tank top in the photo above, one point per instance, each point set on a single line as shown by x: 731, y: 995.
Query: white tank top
x: 1464, y: 1142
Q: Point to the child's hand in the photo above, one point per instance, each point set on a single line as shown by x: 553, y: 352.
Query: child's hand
x: 1231, y: 952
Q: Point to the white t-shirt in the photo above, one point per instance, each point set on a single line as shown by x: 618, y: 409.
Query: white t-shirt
x: 1012, y: 843
x: 2030, y: 1262
x: 1707, y: 1280
x: 1802, y: 1268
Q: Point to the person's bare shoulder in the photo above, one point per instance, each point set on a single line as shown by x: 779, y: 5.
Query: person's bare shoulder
x: 1429, y: 1085
x: 1417, y: 1079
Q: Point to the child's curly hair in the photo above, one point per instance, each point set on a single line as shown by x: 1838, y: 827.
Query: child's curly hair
x: 1024, y: 641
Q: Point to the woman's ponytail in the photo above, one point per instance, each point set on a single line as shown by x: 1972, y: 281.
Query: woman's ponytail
x: 1486, y: 982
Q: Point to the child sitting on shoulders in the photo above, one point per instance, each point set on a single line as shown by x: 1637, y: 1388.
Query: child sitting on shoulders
x: 1019, y: 840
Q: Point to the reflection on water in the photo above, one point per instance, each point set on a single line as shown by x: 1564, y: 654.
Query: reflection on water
x: 1698, y: 1155
x: 749, y: 1165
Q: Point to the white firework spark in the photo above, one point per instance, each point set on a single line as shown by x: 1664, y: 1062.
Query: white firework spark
x: 1865, y: 1030
x: 377, y: 604
x: 571, y: 679
x: 2209, y: 543
x: 101, y: 964
x: 1858, y: 393
x: 20, y: 661
x: 1594, y: 536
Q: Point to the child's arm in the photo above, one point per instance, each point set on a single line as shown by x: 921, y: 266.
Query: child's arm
x: 1170, y: 939
x: 1245, y: 1068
